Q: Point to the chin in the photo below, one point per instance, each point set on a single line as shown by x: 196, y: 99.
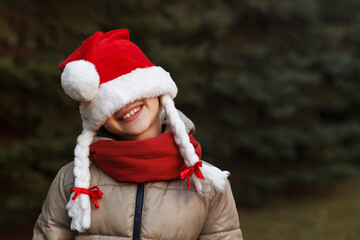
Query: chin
x: 137, y: 129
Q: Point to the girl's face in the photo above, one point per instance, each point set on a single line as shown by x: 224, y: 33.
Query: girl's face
x: 136, y: 121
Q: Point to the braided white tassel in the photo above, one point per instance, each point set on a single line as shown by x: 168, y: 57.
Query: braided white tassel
x: 80, y: 209
x: 213, y: 175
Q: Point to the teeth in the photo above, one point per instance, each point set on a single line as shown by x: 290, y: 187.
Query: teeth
x: 131, y: 113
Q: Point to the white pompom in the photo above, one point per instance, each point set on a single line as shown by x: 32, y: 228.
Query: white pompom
x: 80, y: 80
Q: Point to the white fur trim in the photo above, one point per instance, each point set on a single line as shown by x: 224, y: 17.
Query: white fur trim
x: 80, y: 208
x: 113, y: 95
x: 80, y: 80
x: 217, y: 177
x: 213, y: 175
x: 180, y: 135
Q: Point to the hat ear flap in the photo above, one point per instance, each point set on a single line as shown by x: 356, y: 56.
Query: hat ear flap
x: 80, y: 80
x: 181, y: 137
x: 213, y: 175
x: 80, y: 208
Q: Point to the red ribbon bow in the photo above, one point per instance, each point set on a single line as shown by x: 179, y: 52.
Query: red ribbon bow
x: 189, y: 171
x: 93, y: 192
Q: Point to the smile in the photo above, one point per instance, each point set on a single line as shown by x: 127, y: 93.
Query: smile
x: 131, y: 113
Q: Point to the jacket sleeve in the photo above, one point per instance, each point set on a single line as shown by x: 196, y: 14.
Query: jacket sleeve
x: 223, y: 220
x: 54, y: 222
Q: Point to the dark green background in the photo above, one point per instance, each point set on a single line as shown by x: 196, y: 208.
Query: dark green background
x: 272, y: 87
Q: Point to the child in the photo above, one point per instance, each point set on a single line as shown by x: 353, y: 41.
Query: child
x: 136, y: 162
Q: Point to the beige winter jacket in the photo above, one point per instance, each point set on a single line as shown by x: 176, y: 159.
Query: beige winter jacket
x: 165, y: 210
x: 169, y: 211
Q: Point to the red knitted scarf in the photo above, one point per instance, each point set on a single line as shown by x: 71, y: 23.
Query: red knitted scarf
x: 143, y: 161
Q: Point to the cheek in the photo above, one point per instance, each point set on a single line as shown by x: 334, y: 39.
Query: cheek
x: 153, y: 104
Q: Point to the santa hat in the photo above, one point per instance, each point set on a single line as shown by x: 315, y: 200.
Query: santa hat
x: 106, y: 73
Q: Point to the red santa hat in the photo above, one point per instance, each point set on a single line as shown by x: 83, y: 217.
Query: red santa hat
x: 106, y: 73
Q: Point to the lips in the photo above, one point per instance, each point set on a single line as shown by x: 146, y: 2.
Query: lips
x: 130, y: 113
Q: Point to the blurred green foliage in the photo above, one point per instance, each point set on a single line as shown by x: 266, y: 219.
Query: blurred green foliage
x: 272, y: 87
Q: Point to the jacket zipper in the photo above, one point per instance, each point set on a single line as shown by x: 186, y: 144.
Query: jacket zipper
x: 138, y: 211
